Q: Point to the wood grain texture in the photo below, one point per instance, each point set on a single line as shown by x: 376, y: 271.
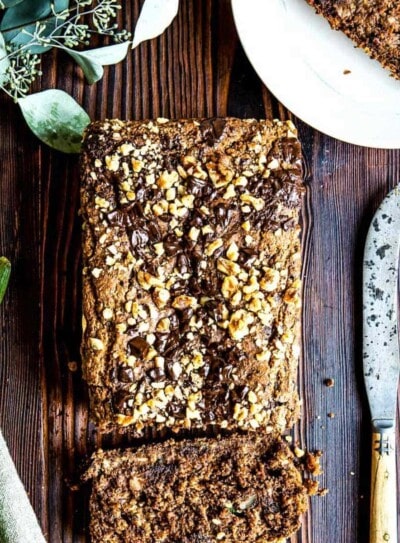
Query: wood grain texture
x: 197, y: 68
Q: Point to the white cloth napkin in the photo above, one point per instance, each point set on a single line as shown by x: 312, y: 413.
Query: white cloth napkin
x: 18, y: 523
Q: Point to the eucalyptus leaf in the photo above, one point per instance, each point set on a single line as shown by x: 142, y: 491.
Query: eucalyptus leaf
x: 25, y: 13
x: 9, y: 3
x: 93, y: 60
x: 109, y: 54
x: 91, y: 68
x: 4, y: 61
x: 55, y: 118
x: 154, y: 18
x: 5, y: 271
x: 60, y: 5
x: 24, y: 36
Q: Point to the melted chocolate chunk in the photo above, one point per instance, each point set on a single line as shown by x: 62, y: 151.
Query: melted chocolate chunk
x: 154, y: 232
x: 120, y: 399
x: 197, y: 219
x: 116, y: 218
x: 136, y: 211
x: 222, y: 215
x: 139, y: 346
x: 173, y: 321
x: 139, y: 237
x: 183, y: 263
x: 185, y: 315
x: 195, y: 186
x: 172, y: 245
x: 172, y: 343
x: 161, y: 342
x: 194, y: 287
x: 125, y: 374
x: 212, y: 130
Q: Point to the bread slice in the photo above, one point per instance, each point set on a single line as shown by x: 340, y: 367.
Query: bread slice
x: 231, y: 490
x: 373, y: 25
x: 191, y: 277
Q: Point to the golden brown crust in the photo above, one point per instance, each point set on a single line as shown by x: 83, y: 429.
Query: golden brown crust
x: 373, y: 25
x: 191, y: 289
x: 208, y: 490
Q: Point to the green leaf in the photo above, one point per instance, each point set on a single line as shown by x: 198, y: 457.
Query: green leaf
x: 110, y: 54
x: 92, y: 69
x: 60, y: 5
x: 20, y: 21
x: 5, y: 272
x: 9, y: 3
x: 23, y: 37
x: 25, y: 13
x: 55, y: 118
x: 93, y: 60
x: 154, y: 18
x: 4, y: 61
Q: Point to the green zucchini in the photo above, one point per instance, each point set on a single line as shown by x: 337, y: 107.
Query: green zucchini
x: 5, y: 271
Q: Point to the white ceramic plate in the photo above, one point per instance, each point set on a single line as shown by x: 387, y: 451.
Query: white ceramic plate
x: 304, y: 62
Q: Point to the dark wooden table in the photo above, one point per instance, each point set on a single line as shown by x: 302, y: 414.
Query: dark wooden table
x: 197, y: 68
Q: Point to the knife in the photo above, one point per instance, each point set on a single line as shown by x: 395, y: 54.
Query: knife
x: 381, y: 361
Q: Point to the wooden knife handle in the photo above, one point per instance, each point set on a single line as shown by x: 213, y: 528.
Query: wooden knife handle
x: 383, y: 524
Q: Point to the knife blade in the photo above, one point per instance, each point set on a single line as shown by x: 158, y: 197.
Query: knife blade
x: 381, y: 360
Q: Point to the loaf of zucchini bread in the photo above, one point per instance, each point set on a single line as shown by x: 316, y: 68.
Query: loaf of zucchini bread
x: 373, y: 25
x: 233, y: 489
x: 191, y: 277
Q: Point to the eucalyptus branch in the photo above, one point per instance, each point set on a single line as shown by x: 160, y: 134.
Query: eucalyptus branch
x: 73, y: 27
x: 54, y: 116
x: 22, y: 26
